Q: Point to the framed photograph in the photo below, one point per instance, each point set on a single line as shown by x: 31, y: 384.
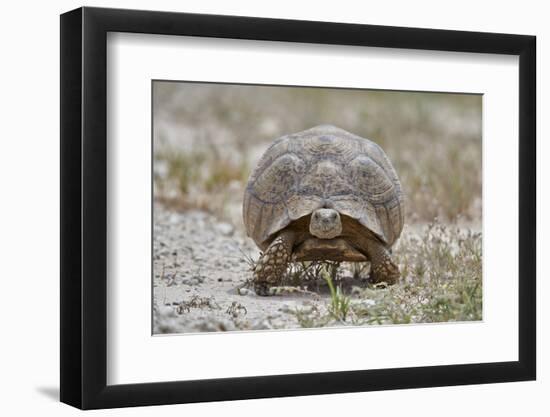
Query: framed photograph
x: 260, y: 208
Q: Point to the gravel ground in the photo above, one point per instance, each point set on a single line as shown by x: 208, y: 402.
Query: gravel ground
x: 200, y: 275
x: 202, y: 270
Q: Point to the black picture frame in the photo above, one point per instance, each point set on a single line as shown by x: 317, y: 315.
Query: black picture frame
x: 84, y: 207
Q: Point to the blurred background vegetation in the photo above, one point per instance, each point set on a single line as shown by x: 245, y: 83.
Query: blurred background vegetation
x: 208, y: 137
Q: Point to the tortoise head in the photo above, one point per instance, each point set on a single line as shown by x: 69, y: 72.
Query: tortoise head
x: 325, y: 223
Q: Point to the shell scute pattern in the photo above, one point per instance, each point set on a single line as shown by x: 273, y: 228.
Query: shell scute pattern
x: 370, y: 179
x: 278, y: 180
x: 325, y: 178
x: 323, y: 167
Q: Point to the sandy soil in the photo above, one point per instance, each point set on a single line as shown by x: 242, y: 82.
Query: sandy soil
x: 200, y: 276
x: 202, y: 270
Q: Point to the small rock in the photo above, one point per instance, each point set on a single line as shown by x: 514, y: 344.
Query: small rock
x: 166, y: 311
x: 175, y: 218
x: 367, y: 303
x: 262, y: 324
x: 285, y: 308
x: 225, y: 229
x: 214, y: 325
x: 244, y: 291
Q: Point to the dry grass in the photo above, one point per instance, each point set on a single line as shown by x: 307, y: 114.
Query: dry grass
x: 441, y: 282
x: 199, y: 180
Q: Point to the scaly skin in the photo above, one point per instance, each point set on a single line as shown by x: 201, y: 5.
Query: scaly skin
x: 272, y: 265
x: 383, y: 269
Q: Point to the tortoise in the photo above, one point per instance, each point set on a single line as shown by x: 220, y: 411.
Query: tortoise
x: 323, y: 194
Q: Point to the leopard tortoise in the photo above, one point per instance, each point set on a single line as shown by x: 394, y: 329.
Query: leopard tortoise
x: 323, y: 194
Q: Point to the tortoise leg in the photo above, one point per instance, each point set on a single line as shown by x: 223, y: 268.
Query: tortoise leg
x: 382, y: 266
x: 272, y: 265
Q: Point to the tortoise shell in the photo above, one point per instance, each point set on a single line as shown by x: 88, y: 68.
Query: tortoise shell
x: 324, y: 166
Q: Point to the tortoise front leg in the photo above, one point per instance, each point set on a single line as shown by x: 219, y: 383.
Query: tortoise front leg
x: 273, y: 263
x: 382, y: 266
